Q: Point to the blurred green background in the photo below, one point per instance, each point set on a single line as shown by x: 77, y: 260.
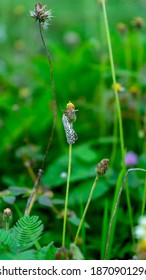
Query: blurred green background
x: 77, y: 43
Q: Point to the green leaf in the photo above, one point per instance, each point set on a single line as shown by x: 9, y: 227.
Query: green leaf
x: 9, y: 199
x: 81, y: 192
x: 27, y: 255
x: 44, y: 200
x: 76, y: 221
x: 17, y: 190
x: 7, y: 241
x: 77, y: 255
x: 47, y: 252
x: 85, y: 153
x: 27, y: 231
x: 82, y: 168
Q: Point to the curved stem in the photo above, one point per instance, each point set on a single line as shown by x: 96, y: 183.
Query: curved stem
x: 85, y: 210
x: 67, y: 193
x: 116, y: 206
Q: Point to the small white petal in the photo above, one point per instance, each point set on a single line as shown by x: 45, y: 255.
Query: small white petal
x: 142, y: 221
x: 32, y: 14
x: 140, y: 232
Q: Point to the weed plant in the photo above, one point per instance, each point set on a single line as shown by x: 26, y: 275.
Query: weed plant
x: 73, y: 182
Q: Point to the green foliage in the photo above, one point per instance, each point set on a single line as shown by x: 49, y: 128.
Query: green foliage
x: 27, y: 231
x: 78, y: 48
x: 7, y: 241
x: 47, y: 252
x: 14, y: 244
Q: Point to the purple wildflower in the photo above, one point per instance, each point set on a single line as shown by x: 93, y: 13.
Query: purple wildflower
x: 131, y: 158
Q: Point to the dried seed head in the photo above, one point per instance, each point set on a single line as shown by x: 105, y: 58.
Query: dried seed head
x: 134, y: 90
x: 138, y: 22
x: 122, y: 28
x: 7, y: 215
x: 40, y: 13
x: 102, y: 167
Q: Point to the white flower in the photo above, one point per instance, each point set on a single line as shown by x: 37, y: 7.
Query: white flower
x: 140, y: 229
x: 40, y: 13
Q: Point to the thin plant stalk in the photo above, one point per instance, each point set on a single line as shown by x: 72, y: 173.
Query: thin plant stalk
x: 118, y: 107
x: 33, y: 195
x: 35, y: 189
x: 67, y: 194
x: 104, y: 228
x: 115, y: 134
x: 114, y: 80
x: 86, y: 208
x: 7, y: 226
x: 53, y: 94
x: 144, y: 199
x: 116, y: 206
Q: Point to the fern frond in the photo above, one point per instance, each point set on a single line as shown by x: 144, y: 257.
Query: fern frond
x: 27, y: 231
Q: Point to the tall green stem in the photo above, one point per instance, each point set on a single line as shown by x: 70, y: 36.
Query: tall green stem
x: 114, y: 80
x: 67, y: 193
x: 116, y: 203
x: 144, y: 199
x: 118, y: 107
x: 85, y: 210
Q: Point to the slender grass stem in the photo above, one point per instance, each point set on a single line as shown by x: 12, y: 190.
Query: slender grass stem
x: 114, y: 80
x: 118, y: 108
x: 33, y: 195
x: 116, y: 206
x: 53, y: 94
x: 67, y: 193
x: 144, y: 199
x: 85, y: 210
x: 115, y: 134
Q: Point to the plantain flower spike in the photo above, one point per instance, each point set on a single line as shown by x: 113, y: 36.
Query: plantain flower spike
x: 41, y: 14
x: 68, y: 118
x: 102, y: 167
